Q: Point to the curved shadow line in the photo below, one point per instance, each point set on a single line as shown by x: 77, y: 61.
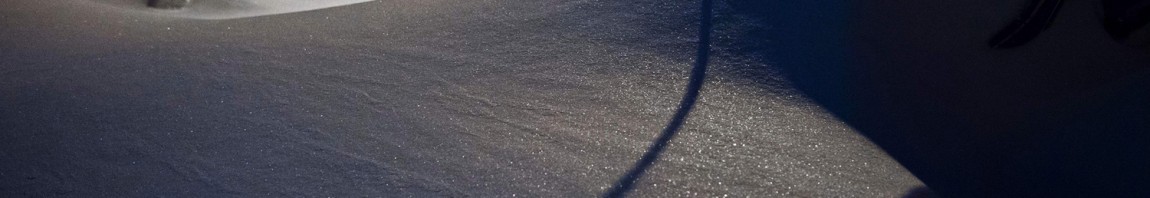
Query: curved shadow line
x: 695, y: 84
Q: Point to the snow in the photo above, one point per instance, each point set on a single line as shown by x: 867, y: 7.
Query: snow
x: 226, y: 9
x: 1064, y: 115
x: 405, y: 98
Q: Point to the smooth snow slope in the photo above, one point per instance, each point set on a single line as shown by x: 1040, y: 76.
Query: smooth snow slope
x: 405, y: 98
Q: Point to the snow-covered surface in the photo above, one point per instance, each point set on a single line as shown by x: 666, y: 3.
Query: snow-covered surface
x: 226, y: 9
x: 405, y: 98
x: 1064, y: 115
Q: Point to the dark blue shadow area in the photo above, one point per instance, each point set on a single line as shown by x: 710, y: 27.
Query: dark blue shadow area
x: 690, y: 96
x: 1077, y: 129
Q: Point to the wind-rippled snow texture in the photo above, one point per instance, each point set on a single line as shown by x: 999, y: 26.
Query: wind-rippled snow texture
x: 553, y: 98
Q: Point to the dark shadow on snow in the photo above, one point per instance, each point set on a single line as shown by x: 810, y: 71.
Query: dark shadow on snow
x: 698, y: 75
x: 1037, y: 16
x: 966, y: 129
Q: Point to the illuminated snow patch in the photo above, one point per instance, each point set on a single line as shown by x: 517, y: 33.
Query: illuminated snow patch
x: 231, y: 9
